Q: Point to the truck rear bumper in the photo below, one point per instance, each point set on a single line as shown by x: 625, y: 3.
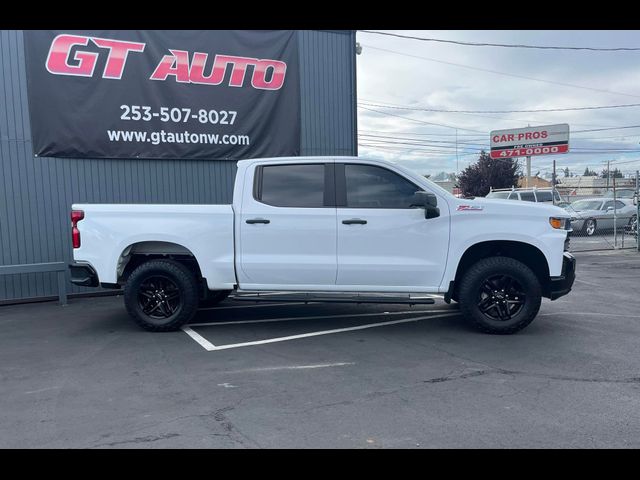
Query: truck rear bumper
x: 560, y: 286
x: 83, y: 274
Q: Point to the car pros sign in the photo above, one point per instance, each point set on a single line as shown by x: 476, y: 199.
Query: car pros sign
x: 222, y: 94
x: 530, y: 141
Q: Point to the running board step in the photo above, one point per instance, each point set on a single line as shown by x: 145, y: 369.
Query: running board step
x: 332, y: 298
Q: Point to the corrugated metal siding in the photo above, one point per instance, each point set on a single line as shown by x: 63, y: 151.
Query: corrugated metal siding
x: 36, y: 193
x: 328, y: 90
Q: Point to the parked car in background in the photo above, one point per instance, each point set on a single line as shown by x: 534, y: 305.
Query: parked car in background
x: 590, y: 215
x: 544, y: 195
x: 621, y: 193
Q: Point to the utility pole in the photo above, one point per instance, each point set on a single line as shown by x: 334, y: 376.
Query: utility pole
x: 615, y: 218
x: 528, y: 167
x: 553, y: 183
x: 456, y: 151
x: 608, y: 173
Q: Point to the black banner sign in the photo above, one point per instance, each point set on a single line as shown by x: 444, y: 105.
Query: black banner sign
x: 221, y: 94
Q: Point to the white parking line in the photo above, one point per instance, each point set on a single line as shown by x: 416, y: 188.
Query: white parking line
x: 589, y: 313
x: 587, y: 283
x: 210, y: 347
x: 289, y: 319
x: 288, y: 367
x: 206, y: 344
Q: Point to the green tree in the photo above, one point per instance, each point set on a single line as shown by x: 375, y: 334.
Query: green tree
x: 478, y: 178
x: 615, y: 173
x: 589, y: 173
x: 566, y: 172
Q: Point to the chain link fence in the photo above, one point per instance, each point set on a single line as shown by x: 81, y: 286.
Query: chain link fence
x: 604, y: 212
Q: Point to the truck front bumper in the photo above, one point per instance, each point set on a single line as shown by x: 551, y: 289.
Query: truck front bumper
x: 83, y: 274
x: 560, y: 286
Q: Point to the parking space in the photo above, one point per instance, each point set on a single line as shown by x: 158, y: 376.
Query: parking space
x: 318, y: 375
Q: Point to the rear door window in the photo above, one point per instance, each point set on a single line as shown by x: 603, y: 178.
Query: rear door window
x: 301, y: 186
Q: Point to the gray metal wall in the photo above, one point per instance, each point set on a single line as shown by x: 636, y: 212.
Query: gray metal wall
x: 36, y: 193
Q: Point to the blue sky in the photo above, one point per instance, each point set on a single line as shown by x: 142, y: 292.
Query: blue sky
x: 399, y: 78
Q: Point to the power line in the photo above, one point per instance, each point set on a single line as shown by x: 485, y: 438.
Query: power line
x: 505, y: 45
x: 503, y: 73
x: 484, y: 116
x: 541, y: 110
x: 419, y: 121
x: 431, y: 134
x: 608, y: 128
x: 394, y: 137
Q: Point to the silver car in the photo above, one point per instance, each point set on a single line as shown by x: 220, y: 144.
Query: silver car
x: 596, y: 214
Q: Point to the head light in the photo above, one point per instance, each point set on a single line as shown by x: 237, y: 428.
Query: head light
x: 560, y: 223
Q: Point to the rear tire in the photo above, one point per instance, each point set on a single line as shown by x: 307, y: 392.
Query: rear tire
x: 500, y: 295
x: 161, y: 295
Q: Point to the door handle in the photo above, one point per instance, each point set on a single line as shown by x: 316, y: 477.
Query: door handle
x: 258, y: 220
x: 354, y: 221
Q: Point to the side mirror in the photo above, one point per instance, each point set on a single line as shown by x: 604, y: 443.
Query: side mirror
x: 610, y: 209
x: 429, y: 202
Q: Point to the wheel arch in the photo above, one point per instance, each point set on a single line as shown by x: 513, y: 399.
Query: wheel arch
x: 138, y: 253
x: 524, y: 252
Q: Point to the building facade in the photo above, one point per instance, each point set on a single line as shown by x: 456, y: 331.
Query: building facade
x: 36, y: 193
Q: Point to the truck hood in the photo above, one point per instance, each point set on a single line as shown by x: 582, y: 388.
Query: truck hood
x: 509, y: 207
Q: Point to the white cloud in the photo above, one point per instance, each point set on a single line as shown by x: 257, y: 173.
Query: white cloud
x: 403, y: 80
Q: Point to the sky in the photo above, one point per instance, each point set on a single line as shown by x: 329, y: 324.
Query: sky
x: 396, y: 75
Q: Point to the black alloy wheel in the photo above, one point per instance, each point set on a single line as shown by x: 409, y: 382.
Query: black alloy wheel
x: 159, y: 297
x: 501, y: 297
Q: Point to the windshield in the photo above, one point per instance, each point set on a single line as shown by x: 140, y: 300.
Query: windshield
x: 498, y: 195
x: 586, y: 205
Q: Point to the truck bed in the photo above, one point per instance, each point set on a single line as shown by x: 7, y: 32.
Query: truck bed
x: 109, y: 230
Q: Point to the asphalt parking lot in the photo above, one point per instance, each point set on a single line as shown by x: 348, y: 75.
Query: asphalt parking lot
x: 329, y: 376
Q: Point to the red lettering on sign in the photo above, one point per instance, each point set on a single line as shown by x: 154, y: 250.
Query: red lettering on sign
x: 117, y: 58
x: 58, y: 58
x: 196, y: 72
x: 267, y: 74
x: 176, y: 64
x: 261, y: 70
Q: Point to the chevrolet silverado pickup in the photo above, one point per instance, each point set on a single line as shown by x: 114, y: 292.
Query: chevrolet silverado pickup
x: 327, y: 228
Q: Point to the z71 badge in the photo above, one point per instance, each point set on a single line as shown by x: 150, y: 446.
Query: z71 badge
x: 464, y: 208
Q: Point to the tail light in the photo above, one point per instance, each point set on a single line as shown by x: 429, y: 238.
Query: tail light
x: 76, y: 216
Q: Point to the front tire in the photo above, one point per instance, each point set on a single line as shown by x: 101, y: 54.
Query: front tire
x: 161, y: 295
x: 500, y: 295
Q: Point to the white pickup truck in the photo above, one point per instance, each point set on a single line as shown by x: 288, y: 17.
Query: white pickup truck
x: 327, y: 229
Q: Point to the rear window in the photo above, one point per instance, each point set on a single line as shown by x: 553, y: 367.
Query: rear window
x: 498, y: 195
x: 527, y: 196
x: 544, y: 196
